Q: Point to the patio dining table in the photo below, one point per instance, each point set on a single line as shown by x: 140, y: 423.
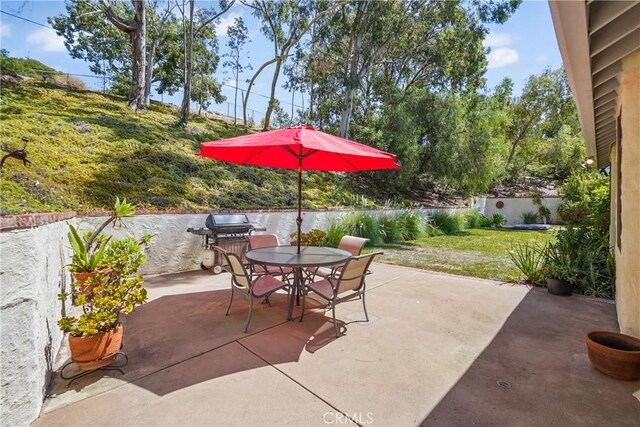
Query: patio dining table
x: 287, y: 256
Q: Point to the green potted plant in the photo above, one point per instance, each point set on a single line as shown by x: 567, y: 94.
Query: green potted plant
x: 95, y: 334
x: 558, y: 270
x: 315, y: 237
x: 88, y: 248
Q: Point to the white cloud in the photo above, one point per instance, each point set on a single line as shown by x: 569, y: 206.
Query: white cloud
x: 47, y: 39
x: 501, y: 57
x: 5, y: 30
x: 542, y: 59
x: 226, y: 22
x: 498, y: 40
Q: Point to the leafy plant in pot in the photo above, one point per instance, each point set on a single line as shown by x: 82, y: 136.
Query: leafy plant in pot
x: 314, y: 237
x: 95, y: 334
x: 87, y: 261
x: 559, y: 270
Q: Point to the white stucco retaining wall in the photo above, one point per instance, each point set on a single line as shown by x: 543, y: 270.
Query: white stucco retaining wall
x: 514, y: 207
x: 32, y: 274
x: 174, y: 250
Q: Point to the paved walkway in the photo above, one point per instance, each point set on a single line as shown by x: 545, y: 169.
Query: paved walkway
x: 191, y: 365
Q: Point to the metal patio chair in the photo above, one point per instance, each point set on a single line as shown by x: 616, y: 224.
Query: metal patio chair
x: 253, y: 286
x: 257, y: 241
x: 351, y: 244
x: 351, y: 280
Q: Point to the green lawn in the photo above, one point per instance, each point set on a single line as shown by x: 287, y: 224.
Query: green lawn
x: 474, y: 252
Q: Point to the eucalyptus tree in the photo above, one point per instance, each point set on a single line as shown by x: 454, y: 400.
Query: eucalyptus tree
x: 284, y: 23
x: 191, y: 30
x: 238, y: 36
x: 369, y: 48
x: 88, y: 34
x: 98, y: 31
x: 538, y: 114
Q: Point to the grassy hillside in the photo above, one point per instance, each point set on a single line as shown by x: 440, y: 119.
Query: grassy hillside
x: 86, y: 148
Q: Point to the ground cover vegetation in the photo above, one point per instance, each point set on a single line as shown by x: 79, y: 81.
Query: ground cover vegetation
x: 458, y: 242
x: 405, y: 77
x: 85, y: 147
x: 580, y: 252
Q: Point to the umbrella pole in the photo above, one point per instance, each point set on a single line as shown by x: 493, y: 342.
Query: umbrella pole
x: 299, y: 219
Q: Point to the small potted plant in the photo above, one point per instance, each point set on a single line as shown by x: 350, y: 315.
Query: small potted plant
x: 558, y: 268
x: 87, y: 261
x: 95, y: 333
x: 315, y: 237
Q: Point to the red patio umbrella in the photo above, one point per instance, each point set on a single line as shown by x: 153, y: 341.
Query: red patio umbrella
x: 301, y: 148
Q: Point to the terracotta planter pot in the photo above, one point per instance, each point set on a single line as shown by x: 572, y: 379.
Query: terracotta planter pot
x: 559, y: 287
x: 96, y: 351
x: 81, y: 278
x: 614, y: 354
x: 295, y: 243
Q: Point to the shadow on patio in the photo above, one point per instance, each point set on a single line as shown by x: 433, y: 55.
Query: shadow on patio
x: 173, y: 329
x: 433, y: 352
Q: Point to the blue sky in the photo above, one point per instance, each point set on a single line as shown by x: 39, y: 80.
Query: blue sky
x: 524, y: 45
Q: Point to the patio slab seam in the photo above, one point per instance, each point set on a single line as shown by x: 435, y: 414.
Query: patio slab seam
x: 300, y: 384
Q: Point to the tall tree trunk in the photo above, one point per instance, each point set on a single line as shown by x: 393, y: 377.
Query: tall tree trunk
x: 149, y: 77
x: 274, y: 83
x: 245, y: 100
x: 235, y: 101
x: 188, y: 68
x: 139, y: 47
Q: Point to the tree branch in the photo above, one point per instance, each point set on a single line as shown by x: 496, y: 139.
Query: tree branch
x: 216, y: 16
x: 121, y: 24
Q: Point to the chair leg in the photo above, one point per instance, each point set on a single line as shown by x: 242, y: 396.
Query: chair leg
x: 335, y: 325
x: 366, y: 315
x: 246, y: 326
x: 230, y: 301
x: 304, y: 300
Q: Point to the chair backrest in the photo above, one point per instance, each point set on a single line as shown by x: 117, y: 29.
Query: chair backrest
x: 354, y: 272
x: 352, y: 244
x: 239, y: 276
x: 257, y: 241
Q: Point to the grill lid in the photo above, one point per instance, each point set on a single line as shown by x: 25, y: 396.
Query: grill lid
x: 222, y: 221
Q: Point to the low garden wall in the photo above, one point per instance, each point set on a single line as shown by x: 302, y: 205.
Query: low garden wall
x: 32, y: 275
x: 174, y: 249
x: 513, y: 207
x: 35, y: 251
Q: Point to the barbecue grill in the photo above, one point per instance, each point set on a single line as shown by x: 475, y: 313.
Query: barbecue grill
x: 228, y: 231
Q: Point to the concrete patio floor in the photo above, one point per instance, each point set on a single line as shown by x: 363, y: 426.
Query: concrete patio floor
x: 432, y: 353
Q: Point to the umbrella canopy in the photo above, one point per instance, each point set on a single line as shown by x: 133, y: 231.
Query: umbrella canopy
x: 301, y: 148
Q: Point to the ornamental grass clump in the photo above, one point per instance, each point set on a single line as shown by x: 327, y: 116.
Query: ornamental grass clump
x: 414, y: 226
x: 529, y: 259
x: 392, y: 228
x: 448, y: 223
x: 363, y: 225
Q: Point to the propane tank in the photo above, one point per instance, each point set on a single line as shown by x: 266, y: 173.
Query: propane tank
x: 208, y: 258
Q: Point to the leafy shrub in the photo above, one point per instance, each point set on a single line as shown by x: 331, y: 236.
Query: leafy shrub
x: 498, y: 219
x: 530, y: 217
x: 529, y: 258
x: 392, y: 228
x: 335, y: 232
x: 314, y: 237
x: 583, y: 258
x: 448, y: 223
x: 474, y: 219
x: 414, y: 227
x: 585, y: 200
x: 545, y: 214
x: 363, y: 225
